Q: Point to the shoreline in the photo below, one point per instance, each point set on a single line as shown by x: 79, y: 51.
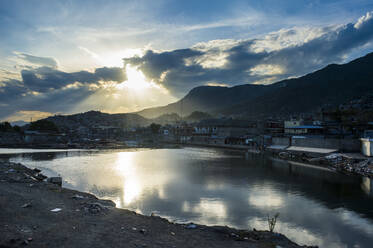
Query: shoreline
x: 349, y: 168
x: 38, y: 213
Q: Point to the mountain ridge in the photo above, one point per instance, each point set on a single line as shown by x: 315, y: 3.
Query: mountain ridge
x: 332, y: 85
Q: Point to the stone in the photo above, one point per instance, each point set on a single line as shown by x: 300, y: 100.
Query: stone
x: 26, y: 205
x: 40, y: 177
x: 55, y: 180
x: 77, y: 196
x: 95, y: 207
x: 191, y: 226
x: 10, y: 171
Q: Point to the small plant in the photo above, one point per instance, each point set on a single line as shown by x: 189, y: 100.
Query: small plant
x: 272, y: 222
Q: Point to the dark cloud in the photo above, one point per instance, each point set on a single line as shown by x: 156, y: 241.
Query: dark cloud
x: 51, y: 90
x: 181, y: 70
x: 111, y: 74
x: 39, y: 61
x: 44, y: 79
x: 154, y: 64
x: 11, y: 89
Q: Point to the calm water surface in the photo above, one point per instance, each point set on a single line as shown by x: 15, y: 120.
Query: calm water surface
x: 217, y: 187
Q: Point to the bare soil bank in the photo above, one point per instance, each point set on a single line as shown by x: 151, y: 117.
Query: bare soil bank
x: 81, y: 220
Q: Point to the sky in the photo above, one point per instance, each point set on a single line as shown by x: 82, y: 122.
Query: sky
x: 63, y: 57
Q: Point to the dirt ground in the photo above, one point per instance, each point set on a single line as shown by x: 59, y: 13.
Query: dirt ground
x: 81, y: 220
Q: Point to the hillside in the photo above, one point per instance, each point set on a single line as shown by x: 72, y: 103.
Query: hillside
x: 96, y: 118
x: 334, y: 84
x: 207, y: 99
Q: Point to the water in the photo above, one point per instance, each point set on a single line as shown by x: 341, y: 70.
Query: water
x: 218, y: 187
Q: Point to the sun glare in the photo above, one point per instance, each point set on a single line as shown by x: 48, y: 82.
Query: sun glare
x: 135, y: 80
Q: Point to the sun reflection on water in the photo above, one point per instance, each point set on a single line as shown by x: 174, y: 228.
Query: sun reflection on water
x: 131, y: 185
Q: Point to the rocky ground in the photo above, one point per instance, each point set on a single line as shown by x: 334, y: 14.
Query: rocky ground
x: 37, y: 213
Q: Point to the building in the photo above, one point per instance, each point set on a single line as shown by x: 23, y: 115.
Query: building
x: 367, y: 147
x: 304, y: 129
x: 274, y: 127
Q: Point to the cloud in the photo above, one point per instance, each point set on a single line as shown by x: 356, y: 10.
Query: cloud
x: 38, y: 61
x: 44, y: 79
x: 41, y: 86
x: 49, y: 90
x: 28, y: 115
x: 278, y: 55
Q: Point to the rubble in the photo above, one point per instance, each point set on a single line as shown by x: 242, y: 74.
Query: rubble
x: 55, y: 180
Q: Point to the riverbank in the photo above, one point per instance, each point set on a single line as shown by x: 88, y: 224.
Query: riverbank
x: 36, y: 213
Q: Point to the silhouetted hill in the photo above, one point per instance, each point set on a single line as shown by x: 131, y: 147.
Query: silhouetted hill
x: 96, y: 118
x: 334, y: 84
x: 173, y: 118
x: 207, y: 99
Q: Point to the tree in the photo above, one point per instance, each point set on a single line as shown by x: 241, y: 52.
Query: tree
x: 272, y: 222
x: 43, y: 125
x: 17, y: 129
x: 155, y: 128
x: 6, y: 127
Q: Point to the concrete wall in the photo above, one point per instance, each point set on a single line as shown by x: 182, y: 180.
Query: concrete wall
x: 347, y: 145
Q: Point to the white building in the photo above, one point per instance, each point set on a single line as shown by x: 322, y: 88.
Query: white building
x: 367, y: 146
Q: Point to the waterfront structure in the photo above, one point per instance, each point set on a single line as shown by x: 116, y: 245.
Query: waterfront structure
x: 367, y: 146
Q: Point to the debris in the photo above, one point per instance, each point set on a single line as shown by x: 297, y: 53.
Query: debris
x: 29, y: 239
x: 10, y: 171
x: 191, y: 226
x: 95, y: 207
x: 26, y: 205
x: 55, y: 180
x: 234, y: 235
x: 40, y: 177
x: 172, y: 233
x: 143, y: 231
x: 56, y: 210
x: 36, y: 170
x: 134, y: 228
x: 76, y: 196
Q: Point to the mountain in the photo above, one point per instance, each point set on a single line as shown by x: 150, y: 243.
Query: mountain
x: 173, y: 118
x: 332, y: 85
x: 92, y: 119
x: 95, y: 118
x: 207, y: 99
x: 197, y: 116
x: 19, y: 123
